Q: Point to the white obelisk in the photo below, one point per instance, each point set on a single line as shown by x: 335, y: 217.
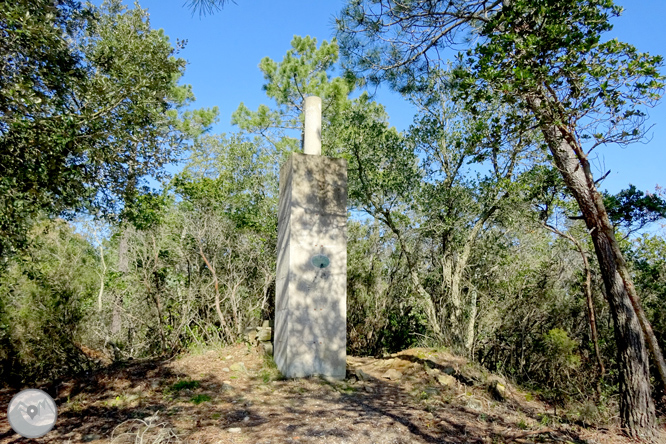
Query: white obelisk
x: 311, y: 284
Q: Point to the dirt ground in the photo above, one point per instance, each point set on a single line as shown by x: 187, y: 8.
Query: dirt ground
x: 235, y: 395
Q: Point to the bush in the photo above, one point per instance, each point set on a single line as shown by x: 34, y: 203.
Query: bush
x: 48, y: 292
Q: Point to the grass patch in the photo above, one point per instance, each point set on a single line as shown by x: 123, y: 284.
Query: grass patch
x: 198, y: 399
x: 545, y: 419
x: 427, y: 393
x: 269, y: 371
x: 265, y: 376
x: 118, y: 401
x: 75, y: 406
x: 184, y: 384
x: 347, y: 389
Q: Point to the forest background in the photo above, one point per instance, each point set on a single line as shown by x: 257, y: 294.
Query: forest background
x: 133, y: 227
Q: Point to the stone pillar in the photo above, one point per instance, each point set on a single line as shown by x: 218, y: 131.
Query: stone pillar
x: 312, y: 127
x: 310, y: 336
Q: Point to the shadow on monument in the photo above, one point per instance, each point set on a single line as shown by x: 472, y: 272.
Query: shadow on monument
x: 311, y: 279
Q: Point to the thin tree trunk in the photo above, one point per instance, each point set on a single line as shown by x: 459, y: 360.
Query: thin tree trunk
x: 592, y: 319
x: 456, y: 278
x: 637, y: 411
x: 123, y: 267
x: 268, y: 279
x: 431, y: 312
x: 102, y: 275
x: 592, y: 316
x: 469, y: 340
x: 123, y: 251
x: 235, y: 311
x: 156, y: 295
x: 218, y: 307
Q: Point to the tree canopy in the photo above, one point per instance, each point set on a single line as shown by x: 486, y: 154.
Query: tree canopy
x: 547, y: 62
x: 90, y: 107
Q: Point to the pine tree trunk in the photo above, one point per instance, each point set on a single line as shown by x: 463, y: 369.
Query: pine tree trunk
x: 636, y: 405
x: 637, y: 411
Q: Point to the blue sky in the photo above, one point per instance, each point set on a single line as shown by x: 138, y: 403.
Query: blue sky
x: 224, y: 49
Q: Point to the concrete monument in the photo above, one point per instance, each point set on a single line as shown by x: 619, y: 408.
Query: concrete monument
x: 310, y: 335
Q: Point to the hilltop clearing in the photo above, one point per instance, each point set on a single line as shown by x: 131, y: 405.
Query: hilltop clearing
x: 235, y: 395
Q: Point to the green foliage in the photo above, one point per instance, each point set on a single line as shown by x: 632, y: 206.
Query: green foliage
x: 559, y: 349
x: 198, y: 399
x: 633, y: 209
x: 648, y: 259
x: 38, y: 72
x: 305, y: 71
x: 382, y: 314
x: 534, y: 325
x: 406, y: 327
x: 205, y: 6
x: 200, y: 256
x: 184, y: 384
x: 545, y: 419
x: 148, y: 209
x: 233, y: 176
x: 382, y: 165
x: 46, y: 291
x: 269, y: 371
x: 85, y: 118
x: 547, y: 63
x: 454, y: 238
x: 561, y: 361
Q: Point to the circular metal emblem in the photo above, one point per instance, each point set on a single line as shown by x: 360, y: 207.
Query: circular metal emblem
x: 32, y: 413
x: 320, y: 261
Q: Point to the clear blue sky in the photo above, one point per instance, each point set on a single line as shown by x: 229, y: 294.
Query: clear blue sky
x: 224, y: 49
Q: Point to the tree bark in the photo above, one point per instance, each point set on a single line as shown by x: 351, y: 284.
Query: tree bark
x: 637, y: 411
x: 471, y: 323
x: 647, y: 330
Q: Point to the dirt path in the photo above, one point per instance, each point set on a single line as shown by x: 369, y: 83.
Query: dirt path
x: 233, y: 395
